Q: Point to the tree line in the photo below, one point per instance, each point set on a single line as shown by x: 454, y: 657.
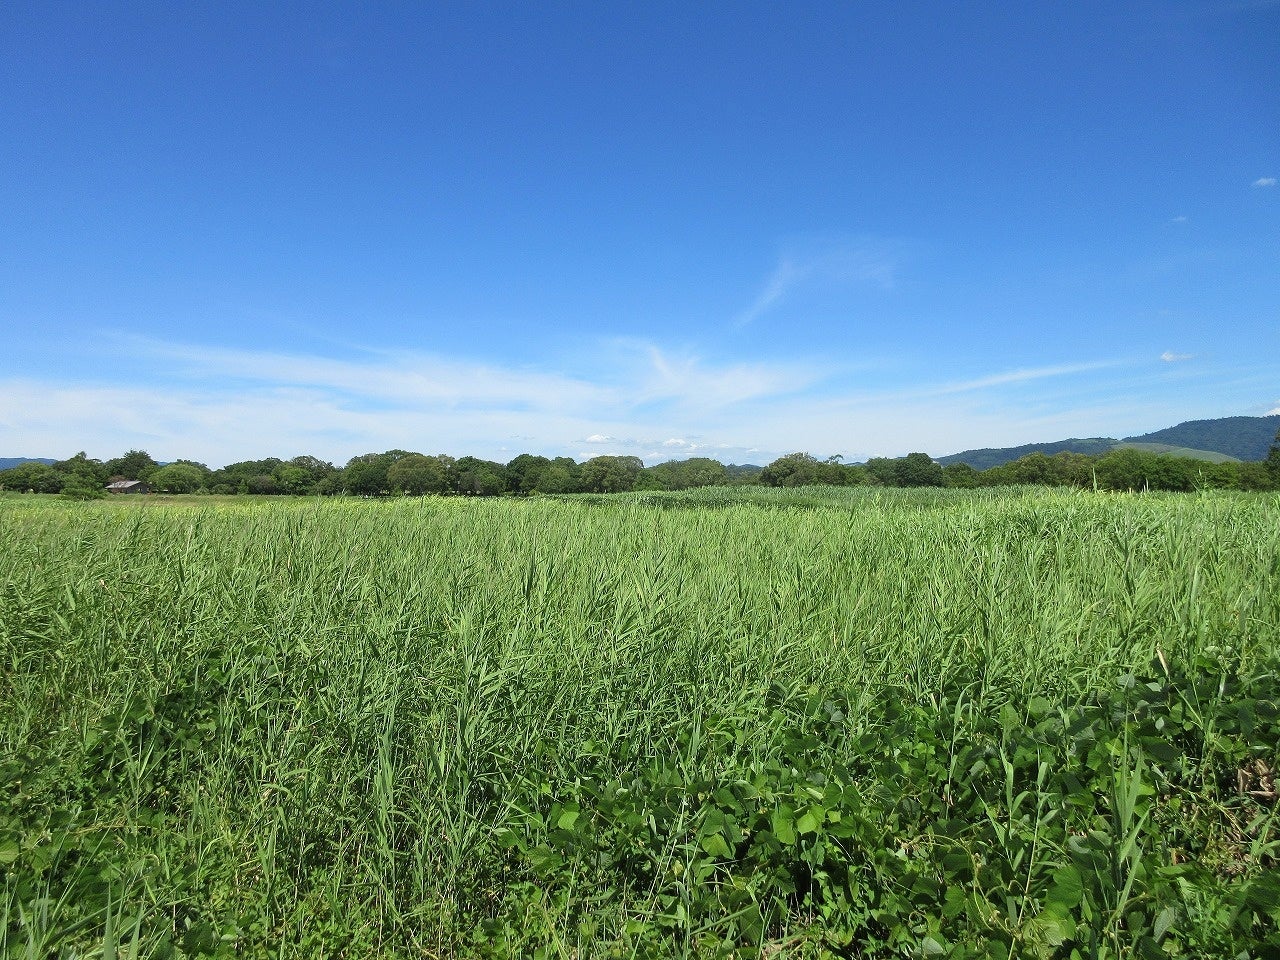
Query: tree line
x: 403, y: 472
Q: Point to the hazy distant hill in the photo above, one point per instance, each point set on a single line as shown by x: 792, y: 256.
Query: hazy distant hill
x: 8, y: 463
x: 1187, y: 453
x: 1245, y: 438
x: 995, y: 456
x: 1227, y: 438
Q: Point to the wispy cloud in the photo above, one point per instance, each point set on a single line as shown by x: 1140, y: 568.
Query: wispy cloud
x: 1181, y: 218
x: 1265, y: 182
x: 221, y: 404
x: 1024, y: 375
x: 1170, y: 357
x: 822, y: 262
x: 785, y: 275
x: 663, y: 376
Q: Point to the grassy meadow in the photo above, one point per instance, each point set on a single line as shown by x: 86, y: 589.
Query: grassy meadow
x: 730, y: 722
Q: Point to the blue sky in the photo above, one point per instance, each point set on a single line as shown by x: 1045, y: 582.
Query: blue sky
x: 230, y: 231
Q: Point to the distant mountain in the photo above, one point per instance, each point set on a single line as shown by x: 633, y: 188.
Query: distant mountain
x: 8, y: 463
x: 1186, y: 453
x: 1227, y: 438
x: 989, y: 457
x: 1245, y: 438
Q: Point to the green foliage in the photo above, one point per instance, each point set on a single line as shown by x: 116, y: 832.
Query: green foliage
x: 989, y: 457
x: 82, y: 488
x: 610, y: 474
x: 134, y: 465
x: 32, y: 477
x: 917, y: 470
x: 417, y: 474
x: 480, y: 478
x: 687, y: 474
x: 178, y: 478
x: 91, y: 473
x: 804, y: 470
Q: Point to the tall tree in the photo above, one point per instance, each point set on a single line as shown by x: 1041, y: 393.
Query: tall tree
x: 134, y: 465
x: 918, y: 470
x: 92, y: 472
x: 418, y: 474
x: 177, y: 478
x: 611, y: 474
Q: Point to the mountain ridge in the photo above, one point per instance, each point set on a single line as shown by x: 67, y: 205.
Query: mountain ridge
x: 8, y: 463
x: 1235, y: 438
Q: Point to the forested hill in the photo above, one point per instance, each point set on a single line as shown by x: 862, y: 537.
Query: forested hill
x: 989, y: 457
x: 1245, y: 438
x: 8, y: 463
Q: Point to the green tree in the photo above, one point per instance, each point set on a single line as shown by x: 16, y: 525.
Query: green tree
x: 418, y: 474
x: 523, y: 472
x: 918, y: 470
x: 293, y: 480
x: 303, y: 475
x: 611, y: 474
x: 1129, y: 469
x: 686, y: 474
x: 882, y: 471
x: 480, y: 478
x: 960, y: 475
x: 92, y: 472
x: 803, y: 470
x: 134, y: 465
x: 32, y: 477
x: 79, y: 487
x: 367, y: 474
x: 556, y: 478
x: 177, y: 478
x: 1257, y: 475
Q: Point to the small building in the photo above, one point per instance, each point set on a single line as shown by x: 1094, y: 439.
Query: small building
x: 128, y: 486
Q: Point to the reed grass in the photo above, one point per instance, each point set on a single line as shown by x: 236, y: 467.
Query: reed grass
x: 305, y: 727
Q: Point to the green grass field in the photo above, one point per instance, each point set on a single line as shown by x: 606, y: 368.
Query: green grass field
x: 742, y: 722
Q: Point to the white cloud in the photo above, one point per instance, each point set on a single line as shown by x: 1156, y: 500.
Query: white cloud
x: 831, y: 263
x: 1178, y: 219
x: 220, y: 405
x: 1265, y: 182
x: 1022, y: 376
x: 1170, y: 357
x: 785, y: 275
x: 654, y: 376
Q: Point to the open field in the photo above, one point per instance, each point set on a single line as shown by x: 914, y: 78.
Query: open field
x: 836, y: 722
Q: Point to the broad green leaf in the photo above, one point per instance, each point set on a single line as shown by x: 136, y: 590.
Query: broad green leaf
x: 1067, y: 889
x: 808, y: 822
x: 784, y: 824
x: 715, y: 845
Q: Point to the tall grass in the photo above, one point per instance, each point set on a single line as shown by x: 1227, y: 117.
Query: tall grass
x: 335, y: 727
